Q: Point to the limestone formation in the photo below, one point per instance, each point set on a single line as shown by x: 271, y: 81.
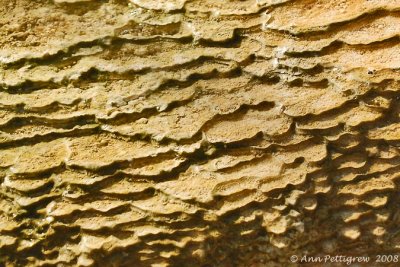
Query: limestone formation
x: 198, y: 132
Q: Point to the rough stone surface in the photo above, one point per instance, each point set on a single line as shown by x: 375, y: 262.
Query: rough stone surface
x: 198, y: 132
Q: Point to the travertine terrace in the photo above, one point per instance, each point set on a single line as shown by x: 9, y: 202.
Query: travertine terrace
x: 198, y: 132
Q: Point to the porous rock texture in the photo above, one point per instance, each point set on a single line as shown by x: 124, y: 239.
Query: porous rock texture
x: 198, y: 132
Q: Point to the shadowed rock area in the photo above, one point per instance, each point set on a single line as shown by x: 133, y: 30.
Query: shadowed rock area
x: 198, y: 132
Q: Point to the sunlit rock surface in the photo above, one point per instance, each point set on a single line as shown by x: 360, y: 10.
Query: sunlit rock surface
x: 198, y: 132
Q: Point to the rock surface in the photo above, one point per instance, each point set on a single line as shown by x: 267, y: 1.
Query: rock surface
x: 198, y: 132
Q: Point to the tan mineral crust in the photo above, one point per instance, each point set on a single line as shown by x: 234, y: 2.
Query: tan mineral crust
x: 199, y: 132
